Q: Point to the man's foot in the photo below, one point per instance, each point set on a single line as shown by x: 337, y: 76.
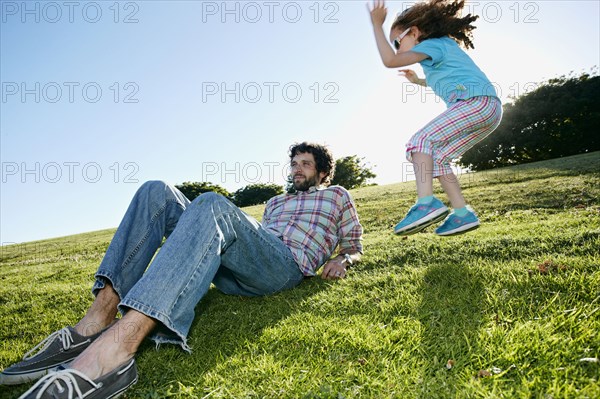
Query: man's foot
x: 61, y: 346
x: 455, y: 224
x: 420, y: 216
x: 70, y: 383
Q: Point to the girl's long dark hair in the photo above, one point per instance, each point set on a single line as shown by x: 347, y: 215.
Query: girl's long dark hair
x: 438, y: 18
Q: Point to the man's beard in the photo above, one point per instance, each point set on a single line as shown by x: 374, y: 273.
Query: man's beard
x: 307, y: 183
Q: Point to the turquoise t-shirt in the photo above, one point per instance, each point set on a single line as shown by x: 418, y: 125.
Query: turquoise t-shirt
x: 450, y: 72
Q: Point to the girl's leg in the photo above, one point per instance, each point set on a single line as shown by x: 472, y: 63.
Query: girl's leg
x: 452, y: 189
x: 460, y: 128
x: 432, y: 148
x: 428, y: 209
x: 423, y: 166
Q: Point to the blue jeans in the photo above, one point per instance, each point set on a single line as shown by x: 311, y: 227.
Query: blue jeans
x: 209, y: 240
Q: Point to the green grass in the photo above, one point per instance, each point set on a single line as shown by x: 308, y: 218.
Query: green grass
x: 390, y: 328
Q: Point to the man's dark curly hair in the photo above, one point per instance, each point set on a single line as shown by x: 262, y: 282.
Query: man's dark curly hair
x: 323, y: 158
x: 438, y: 18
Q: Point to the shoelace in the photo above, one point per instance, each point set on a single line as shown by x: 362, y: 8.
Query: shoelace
x: 65, y: 376
x: 64, y: 336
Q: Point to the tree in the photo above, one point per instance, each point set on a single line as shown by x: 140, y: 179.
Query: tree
x: 254, y: 194
x: 351, y: 172
x: 557, y: 119
x: 193, y: 189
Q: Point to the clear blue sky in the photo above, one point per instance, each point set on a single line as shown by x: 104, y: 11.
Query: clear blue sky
x: 98, y: 97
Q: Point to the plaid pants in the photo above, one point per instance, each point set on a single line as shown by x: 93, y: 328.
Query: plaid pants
x: 448, y: 136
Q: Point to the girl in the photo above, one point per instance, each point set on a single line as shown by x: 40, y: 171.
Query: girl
x: 430, y: 33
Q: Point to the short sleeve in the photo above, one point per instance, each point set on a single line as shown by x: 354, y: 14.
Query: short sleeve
x: 433, y: 48
x: 350, y: 229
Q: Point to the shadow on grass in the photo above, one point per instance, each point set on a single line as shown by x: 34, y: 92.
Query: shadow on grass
x: 223, y: 326
x: 450, y: 314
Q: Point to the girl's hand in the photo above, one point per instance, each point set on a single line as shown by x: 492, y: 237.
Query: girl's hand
x: 410, y: 75
x: 378, y: 12
x: 389, y: 57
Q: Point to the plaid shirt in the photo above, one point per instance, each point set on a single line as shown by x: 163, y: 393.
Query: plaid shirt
x: 312, y: 223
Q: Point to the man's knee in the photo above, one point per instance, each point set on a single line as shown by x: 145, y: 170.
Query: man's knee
x: 153, y: 186
x: 213, y: 203
x: 212, y: 198
x: 159, y: 189
x: 157, y: 192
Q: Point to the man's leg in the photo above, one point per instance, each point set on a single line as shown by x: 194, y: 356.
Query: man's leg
x: 213, y: 241
x: 101, y: 313
x: 210, y: 231
x: 152, y: 214
x: 257, y: 263
x: 115, y: 346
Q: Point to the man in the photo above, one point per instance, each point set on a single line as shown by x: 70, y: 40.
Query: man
x: 208, y: 241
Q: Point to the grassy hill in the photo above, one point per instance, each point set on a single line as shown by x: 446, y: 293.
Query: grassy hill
x: 507, y: 311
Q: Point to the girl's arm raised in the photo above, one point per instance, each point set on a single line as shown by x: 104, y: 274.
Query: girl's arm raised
x: 392, y: 59
x: 389, y: 58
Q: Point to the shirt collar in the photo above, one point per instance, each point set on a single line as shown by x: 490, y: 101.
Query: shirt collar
x: 310, y: 190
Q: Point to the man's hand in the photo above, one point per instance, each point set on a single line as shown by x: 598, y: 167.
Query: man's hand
x: 334, y: 269
x: 378, y: 12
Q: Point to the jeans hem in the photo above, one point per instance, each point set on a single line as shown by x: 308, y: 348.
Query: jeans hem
x: 178, y: 338
x: 102, y: 277
x: 161, y: 339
